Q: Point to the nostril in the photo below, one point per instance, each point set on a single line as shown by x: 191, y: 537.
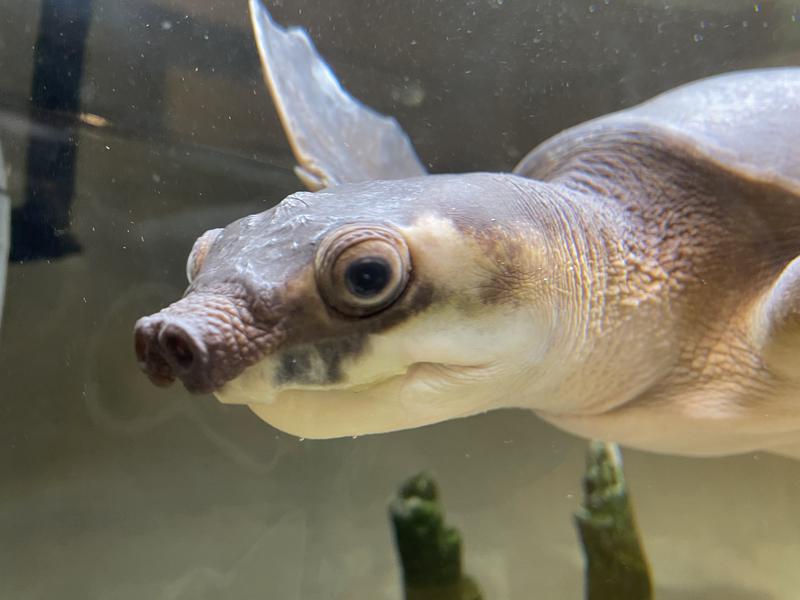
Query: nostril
x: 148, y: 354
x: 180, y: 347
x: 141, y: 342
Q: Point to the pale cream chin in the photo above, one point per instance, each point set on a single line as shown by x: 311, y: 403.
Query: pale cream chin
x: 420, y: 373
x: 427, y: 394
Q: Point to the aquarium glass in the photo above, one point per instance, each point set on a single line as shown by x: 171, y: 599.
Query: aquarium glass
x: 128, y: 128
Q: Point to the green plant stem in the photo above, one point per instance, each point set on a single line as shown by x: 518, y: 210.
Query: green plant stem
x: 430, y: 551
x: 616, y: 565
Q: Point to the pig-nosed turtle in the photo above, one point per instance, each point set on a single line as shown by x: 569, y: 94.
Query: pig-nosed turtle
x: 637, y: 277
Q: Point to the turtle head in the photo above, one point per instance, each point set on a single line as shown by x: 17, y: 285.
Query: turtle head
x: 360, y: 309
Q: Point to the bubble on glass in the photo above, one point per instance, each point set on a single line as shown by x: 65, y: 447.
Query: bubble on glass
x: 410, y: 93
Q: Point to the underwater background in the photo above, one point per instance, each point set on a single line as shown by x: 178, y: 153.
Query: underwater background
x: 129, y: 128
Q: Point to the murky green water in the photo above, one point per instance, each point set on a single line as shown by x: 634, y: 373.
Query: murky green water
x: 111, y: 488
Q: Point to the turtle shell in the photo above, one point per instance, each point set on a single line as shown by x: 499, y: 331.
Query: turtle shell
x: 747, y: 122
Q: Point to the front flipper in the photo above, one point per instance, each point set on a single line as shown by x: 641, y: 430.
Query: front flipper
x: 335, y: 138
x: 778, y: 323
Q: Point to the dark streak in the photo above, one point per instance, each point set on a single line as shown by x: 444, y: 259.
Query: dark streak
x: 333, y: 351
x: 41, y: 225
x: 297, y: 363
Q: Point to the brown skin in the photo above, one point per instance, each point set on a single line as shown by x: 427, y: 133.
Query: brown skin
x: 709, y: 230
x: 712, y: 240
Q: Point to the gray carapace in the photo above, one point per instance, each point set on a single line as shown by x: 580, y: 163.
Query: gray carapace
x: 636, y: 278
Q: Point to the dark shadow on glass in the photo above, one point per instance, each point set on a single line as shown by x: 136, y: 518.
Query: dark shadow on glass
x: 41, y: 225
x: 5, y: 207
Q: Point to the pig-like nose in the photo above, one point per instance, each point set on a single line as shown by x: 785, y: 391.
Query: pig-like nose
x: 169, y: 348
x: 182, y: 349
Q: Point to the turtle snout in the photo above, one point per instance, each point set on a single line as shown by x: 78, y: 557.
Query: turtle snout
x: 202, y: 340
x: 169, y: 349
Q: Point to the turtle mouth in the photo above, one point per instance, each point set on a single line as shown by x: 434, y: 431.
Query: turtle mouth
x: 255, y: 387
x: 420, y: 394
x: 425, y: 393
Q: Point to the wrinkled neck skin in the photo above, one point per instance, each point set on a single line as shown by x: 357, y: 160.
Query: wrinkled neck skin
x: 608, y: 334
x: 672, y: 362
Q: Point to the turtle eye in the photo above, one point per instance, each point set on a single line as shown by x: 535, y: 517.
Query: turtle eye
x: 362, y: 269
x: 367, y: 277
x: 199, y: 252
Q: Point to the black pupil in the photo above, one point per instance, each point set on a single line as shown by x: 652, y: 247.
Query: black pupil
x: 367, y: 277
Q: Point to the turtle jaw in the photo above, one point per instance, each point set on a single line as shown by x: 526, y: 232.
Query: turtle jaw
x: 423, y: 394
x: 441, y: 364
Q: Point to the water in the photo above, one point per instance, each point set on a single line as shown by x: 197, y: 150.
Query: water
x: 112, y: 488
